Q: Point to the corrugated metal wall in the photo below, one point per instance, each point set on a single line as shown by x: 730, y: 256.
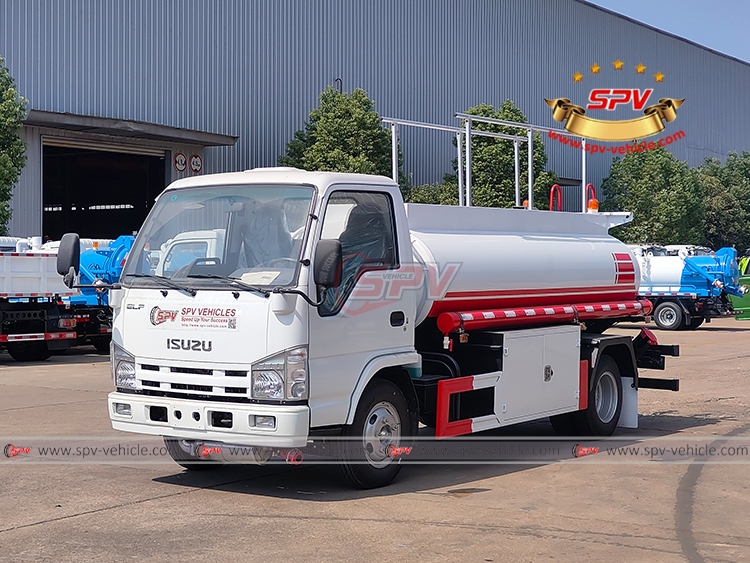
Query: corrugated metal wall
x: 255, y: 68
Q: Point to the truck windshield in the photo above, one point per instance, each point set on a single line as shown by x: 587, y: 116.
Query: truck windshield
x: 198, y: 236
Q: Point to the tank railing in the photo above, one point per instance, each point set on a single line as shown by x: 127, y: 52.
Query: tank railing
x: 460, y: 136
x: 555, y: 190
x: 529, y: 128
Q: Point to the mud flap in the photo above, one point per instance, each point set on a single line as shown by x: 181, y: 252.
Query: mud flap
x: 629, y: 412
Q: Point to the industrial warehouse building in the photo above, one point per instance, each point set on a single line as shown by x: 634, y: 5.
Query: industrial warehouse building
x: 126, y: 96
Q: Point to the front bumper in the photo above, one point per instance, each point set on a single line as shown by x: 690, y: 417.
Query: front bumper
x: 195, y: 422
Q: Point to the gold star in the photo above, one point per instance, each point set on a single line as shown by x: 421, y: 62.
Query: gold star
x: 659, y: 77
x: 640, y: 69
x: 618, y: 64
x: 595, y: 68
x: 577, y: 77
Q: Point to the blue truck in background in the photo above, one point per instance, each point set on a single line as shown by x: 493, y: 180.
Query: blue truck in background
x: 91, y: 308
x: 689, y: 285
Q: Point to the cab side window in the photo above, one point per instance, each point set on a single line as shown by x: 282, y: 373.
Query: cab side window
x: 363, y: 223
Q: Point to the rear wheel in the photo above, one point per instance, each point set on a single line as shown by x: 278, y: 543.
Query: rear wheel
x: 668, y: 316
x: 29, y: 351
x: 366, y: 454
x: 564, y: 424
x: 183, y: 453
x: 101, y: 344
x: 605, y: 401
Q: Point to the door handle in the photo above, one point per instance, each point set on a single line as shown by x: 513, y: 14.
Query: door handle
x: 397, y: 318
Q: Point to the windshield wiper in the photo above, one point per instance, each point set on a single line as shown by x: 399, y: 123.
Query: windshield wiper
x: 165, y: 281
x: 233, y: 282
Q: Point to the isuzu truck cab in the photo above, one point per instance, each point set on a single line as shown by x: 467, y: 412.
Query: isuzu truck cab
x: 278, y: 308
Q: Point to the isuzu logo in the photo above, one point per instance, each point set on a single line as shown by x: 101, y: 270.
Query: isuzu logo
x: 182, y: 344
x: 159, y: 316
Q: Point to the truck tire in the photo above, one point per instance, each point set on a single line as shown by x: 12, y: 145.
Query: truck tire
x: 668, y: 316
x: 565, y: 424
x: 180, y: 451
x: 101, y: 344
x: 601, y: 416
x: 693, y: 323
x: 364, y: 455
x: 29, y: 351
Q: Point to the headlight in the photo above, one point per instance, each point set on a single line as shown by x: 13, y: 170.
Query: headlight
x: 122, y: 364
x: 267, y: 384
x: 282, y: 376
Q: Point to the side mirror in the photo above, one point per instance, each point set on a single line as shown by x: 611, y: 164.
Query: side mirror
x: 327, y: 267
x: 69, y: 258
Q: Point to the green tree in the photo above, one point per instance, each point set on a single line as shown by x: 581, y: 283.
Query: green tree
x: 343, y: 134
x: 664, y: 194
x: 727, y: 191
x: 436, y: 194
x: 12, y: 149
x: 493, y: 168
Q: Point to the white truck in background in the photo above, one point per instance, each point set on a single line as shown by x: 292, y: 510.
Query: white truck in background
x: 33, y: 319
x: 318, y: 308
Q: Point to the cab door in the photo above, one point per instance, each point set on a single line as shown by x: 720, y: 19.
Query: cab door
x: 366, y: 316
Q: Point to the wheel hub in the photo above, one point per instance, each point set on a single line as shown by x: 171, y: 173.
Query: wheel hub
x: 606, y: 397
x: 382, y: 430
x: 667, y: 317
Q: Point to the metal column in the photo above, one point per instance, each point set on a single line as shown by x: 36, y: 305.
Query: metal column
x: 459, y: 143
x: 517, y: 173
x: 530, y: 145
x: 468, y: 162
x: 583, y: 176
x: 394, y: 151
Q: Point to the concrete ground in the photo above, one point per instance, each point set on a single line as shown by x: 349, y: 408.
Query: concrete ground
x: 588, y: 509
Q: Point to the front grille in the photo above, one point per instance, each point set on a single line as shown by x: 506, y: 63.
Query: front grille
x: 187, y: 387
x: 195, y: 371
x: 214, y: 383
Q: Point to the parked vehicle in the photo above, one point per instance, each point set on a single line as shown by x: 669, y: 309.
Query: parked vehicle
x: 34, y: 322
x: 102, y: 262
x: 326, y: 313
x: 40, y: 315
x: 690, y: 287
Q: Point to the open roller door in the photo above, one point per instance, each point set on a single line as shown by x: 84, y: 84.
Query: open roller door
x: 98, y: 193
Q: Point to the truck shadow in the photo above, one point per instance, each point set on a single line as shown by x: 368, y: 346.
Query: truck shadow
x: 460, y: 463
x: 703, y: 328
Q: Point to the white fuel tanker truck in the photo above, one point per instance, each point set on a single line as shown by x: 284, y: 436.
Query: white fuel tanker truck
x: 331, y: 313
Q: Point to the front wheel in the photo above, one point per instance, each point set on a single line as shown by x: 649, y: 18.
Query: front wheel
x: 668, y: 316
x: 366, y: 453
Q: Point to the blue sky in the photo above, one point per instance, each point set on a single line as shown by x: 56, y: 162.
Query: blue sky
x: 722, y: 25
